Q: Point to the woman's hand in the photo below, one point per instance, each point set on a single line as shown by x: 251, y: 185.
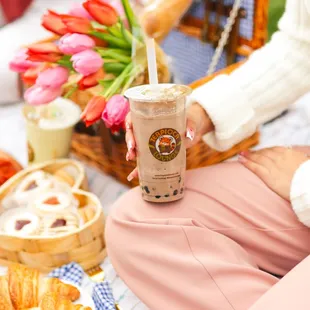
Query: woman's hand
x: 275, y: 166
x: 198, y: 124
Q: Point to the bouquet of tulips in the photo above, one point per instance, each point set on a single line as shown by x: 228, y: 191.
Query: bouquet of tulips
x: 94, y: 46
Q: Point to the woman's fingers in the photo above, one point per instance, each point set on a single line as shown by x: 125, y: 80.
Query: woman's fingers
x: 255, y: 166
x: 190, y: 134
x: 132, y: 175
x: 130, y: 139
x: 262, y: 157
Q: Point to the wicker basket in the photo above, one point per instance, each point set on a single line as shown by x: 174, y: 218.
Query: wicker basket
x: 68, y: 170
x: 109, y: 156
x: 85, y: 246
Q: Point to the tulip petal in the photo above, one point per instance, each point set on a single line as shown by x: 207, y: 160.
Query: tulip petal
x: 37, y: 95
x: 102, y: 12
x: 53, y: 77
x: 91, y: 80
x: 93, y: 110
x: 115, y: 111
x: 52, y: 22
x: 31, y: 75
x: 44, y: 48
x: 44, y: 57
x: 77, y: 24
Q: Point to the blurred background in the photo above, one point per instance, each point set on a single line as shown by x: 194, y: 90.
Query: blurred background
x: 276, y: 9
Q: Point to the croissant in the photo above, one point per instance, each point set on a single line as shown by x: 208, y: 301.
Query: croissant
x: 23, y: 288
x: 52, y: 301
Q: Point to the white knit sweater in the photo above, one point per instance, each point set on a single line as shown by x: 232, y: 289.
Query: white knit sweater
x: 273, y: 78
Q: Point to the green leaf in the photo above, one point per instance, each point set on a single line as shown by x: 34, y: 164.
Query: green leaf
x: 113, y: 41
x: 130, y: 14
x: 106, y: 83
x: 66, y: 62
x: 115, y: 50
x: 116, y: 31
x: 109, y: 53
x: 97, y: 25
x: 126, y: 34
x: 114, y: 67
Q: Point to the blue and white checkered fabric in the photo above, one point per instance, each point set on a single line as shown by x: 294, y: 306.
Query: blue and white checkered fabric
x: 102, y: 293
x: 71, y: 272
x: 103, y: 296
x: 191, y: 57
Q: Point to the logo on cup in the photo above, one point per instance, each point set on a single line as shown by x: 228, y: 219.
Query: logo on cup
x: 165, y: 144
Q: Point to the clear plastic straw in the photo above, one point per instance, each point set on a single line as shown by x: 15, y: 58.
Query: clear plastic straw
x: 151, y: 60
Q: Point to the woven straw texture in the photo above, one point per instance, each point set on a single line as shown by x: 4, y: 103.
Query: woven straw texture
x: 85, y: 246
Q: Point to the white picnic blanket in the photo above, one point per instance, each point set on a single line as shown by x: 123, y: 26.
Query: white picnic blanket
x: 292, y: 128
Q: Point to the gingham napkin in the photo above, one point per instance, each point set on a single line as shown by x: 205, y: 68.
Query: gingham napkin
x: 102, y: 293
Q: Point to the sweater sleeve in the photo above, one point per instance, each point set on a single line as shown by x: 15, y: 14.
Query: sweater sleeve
x: 274, y: 77
x: 300, y: 193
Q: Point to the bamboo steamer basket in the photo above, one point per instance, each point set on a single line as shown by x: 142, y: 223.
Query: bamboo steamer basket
x: 84, y: 246
x: 68, y: 170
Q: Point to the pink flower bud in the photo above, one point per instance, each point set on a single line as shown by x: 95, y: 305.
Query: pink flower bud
x: 87, y: 62
x: 115, y: 111
x: 79, y: 11
x: 53, y: 77
x: 20, y: 63
x: 75, y: 43
x: 37, y: 95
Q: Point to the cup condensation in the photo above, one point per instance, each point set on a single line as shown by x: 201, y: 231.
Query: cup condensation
x: 159, y: 124
x: 49, y: 139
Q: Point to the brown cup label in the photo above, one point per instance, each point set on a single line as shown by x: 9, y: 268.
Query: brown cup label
x: 165, y: 144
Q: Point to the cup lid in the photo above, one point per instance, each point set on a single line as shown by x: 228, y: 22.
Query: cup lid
x: 158, y: 92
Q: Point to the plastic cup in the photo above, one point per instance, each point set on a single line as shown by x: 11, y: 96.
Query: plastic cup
x: 159, y: 124
x: 49, y: 129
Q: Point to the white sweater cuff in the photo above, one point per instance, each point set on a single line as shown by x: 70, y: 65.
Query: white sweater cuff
x: 300, y: 193
x: 229, y: 110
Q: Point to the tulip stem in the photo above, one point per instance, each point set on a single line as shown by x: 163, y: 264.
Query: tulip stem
x: 118, y: 82
x: 133, y: 74
x: 71, y: 91
x: 130, y: 14
x: 109, y: 53
x: 113, y: 41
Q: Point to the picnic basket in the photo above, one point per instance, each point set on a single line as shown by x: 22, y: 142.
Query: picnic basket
x: 85, y: 245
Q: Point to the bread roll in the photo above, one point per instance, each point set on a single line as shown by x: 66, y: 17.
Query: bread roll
x: 160, y: 16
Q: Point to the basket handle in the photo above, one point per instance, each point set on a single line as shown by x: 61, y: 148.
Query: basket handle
x: 224, y: 37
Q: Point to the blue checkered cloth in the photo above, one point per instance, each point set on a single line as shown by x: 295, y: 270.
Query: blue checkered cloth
x: 190, y: 57
x: 102, y: 293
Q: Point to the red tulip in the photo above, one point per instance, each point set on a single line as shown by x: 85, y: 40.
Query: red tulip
x: 102, y: 12
x: 31, y: 75
x: 44, y: 48
x: 91, y: 80
x: 76, y: 24
x: 52, y: 22
x: 93, y: 110
x: 44, y: 52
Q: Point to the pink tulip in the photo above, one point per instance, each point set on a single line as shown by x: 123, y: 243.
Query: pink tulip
x: 87, y: 62
x: 53, y: 77
x: 37, y: 95
x: 79, y: 11
x: 75, y: 43
x: 115, y: 111
x: 20, y: 63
